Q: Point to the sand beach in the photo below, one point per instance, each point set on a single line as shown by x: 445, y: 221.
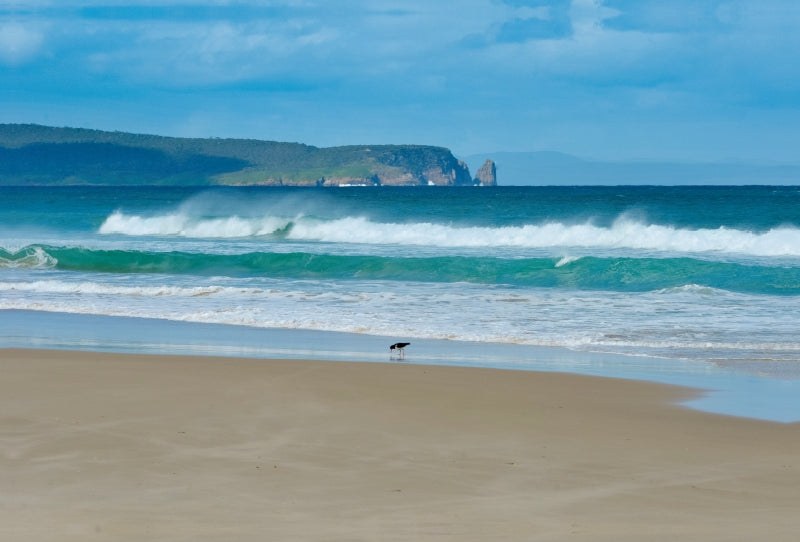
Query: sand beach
x: 178, y: 448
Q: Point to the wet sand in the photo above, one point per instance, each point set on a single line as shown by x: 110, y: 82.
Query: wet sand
x: 171, y: 448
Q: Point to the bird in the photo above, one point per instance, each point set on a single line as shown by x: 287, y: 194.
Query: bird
x: 399, y: 347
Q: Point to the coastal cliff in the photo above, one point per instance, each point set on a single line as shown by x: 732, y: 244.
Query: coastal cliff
x: 40, y: 155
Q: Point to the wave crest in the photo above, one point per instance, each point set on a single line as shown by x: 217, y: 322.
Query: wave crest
x: 584, y: 273
x: 27, y: 258
x: 183, y: 225
x: 622, y: 234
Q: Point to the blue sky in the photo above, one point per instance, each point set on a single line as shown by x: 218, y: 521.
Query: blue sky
x: 683, y: 80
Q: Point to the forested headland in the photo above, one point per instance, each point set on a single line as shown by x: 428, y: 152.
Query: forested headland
x: 40, y: 155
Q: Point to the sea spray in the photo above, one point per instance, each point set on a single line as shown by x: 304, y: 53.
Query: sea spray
x: 622, y: 234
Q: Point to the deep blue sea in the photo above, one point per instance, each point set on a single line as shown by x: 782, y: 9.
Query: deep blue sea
x: 704, y: 276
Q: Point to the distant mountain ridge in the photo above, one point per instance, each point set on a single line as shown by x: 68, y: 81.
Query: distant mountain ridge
x: 41, y: 155
x: 554, y: 168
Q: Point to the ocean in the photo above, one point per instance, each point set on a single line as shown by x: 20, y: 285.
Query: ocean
x: 700, y: 279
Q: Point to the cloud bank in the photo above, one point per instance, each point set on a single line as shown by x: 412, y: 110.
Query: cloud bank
x: 685, y: 79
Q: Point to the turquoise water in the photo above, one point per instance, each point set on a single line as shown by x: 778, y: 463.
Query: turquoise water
x: 704, y: 276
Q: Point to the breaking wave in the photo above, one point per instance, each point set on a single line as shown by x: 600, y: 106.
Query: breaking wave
x: 33, y: 257
x: 587, y: 273
x: 622, y: 234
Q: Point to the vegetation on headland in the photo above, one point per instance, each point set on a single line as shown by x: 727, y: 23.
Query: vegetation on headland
x: 40, y: 155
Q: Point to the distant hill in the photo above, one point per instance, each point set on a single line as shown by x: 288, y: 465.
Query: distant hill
x: 554, y: 168
x: 41, y: 155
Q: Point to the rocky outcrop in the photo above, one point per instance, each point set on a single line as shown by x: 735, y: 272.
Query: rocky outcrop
x: 487, y: 174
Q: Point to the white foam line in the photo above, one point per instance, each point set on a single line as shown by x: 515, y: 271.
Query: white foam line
x: 622, y: 234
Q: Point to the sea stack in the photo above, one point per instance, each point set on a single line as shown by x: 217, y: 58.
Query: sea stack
x: 487, y: 174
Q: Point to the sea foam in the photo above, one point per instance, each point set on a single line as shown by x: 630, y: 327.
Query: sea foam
x: 624, y: 233
x: 183, y: 225
x: 27, y: 258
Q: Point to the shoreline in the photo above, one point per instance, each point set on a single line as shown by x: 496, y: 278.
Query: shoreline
x: 131, y: 446
x: 727, y: 390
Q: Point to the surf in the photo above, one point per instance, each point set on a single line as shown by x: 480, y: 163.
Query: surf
x: 623, y: 234
x: 624, y: 274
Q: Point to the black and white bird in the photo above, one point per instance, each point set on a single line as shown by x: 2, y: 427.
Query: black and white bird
x: 399, y: 347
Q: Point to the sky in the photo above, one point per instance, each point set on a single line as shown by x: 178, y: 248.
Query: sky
x: 615, y: 80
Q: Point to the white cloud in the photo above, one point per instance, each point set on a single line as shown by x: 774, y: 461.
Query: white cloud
x: 206, y: 52
x: 19, y: 43
x: 592, y: 53
x: 409, y: 69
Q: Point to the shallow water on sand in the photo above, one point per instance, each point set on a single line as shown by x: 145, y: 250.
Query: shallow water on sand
x: 727, y: 390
